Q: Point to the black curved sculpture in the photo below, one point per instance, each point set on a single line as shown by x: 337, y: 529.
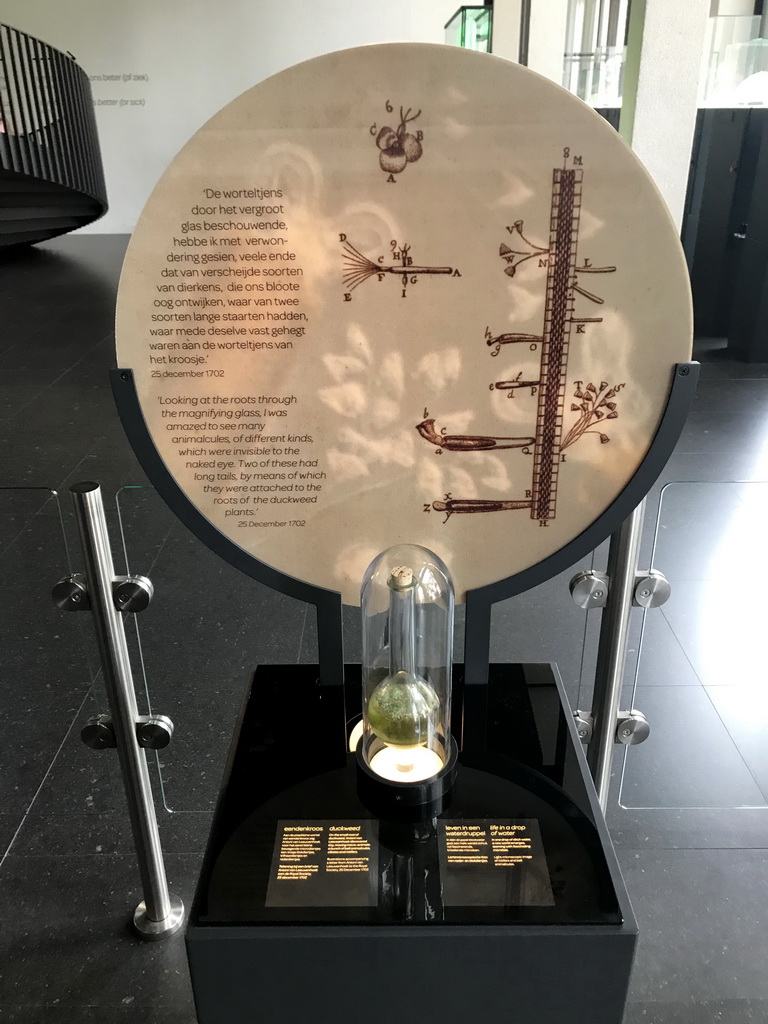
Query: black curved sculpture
x: 51, y: 175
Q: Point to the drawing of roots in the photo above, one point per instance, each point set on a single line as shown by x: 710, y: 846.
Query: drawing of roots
x: 468, y: 442
x: 358, y: 268
x: 473, y: 506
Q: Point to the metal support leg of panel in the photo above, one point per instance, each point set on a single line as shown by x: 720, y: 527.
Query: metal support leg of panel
x: 160, y: 914
x: 612, y: 649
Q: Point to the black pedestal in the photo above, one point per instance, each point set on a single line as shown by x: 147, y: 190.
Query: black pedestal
x: 508, y: 906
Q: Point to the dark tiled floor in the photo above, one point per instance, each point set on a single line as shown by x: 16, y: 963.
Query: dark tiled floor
x: 689, y: 810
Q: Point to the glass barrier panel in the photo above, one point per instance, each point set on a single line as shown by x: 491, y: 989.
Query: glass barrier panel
x: 700, y: 677
x: 194, y: 650
x: 50, y: 676
x: 544, y: 626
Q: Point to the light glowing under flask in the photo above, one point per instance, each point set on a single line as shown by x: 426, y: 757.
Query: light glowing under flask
x: 407, y: 608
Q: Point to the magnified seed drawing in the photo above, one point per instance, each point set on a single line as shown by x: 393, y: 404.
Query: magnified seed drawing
x: 399, y: 146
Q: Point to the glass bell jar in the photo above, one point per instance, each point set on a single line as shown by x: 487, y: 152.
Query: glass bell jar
x: 406, y: 752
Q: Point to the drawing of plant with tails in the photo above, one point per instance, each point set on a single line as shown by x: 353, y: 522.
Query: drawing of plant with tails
x: 594, y: 405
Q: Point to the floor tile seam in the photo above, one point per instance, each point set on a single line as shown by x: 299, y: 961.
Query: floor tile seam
x: 45, y: 777
x: 141, y: 660
x: 303, y: 631
x: 46, y: 388
x: 15, y: 857
x: 128, y: 1011
x: 85, y: 855
x: 77, y: 465
x: 759, y: 450
x: 93, y: 670
x: 680, y: 644
x: 668, y: 686
x: 719, y: 396
x: 760, y: 789
x: 59, y: 377
x: 59, y: 1006
x: 159, y: 551
x: 142, y: 669
x: 6, y: 548
x: 741, y: 498
x: 123, y: 545
x: 735, y: 380
x: 695, y: 807
x: 691, y: 1002
x: 52, y: 493
x: 708, y: 483
x: 110, y: 334
x: 693, y: 849
x: 37, y: 377
x: 692, y: 579
x: 720, y: 413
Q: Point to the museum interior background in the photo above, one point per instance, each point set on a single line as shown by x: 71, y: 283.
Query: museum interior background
x: 688, y: 810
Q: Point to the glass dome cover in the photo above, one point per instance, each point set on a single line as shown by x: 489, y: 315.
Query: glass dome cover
x: 407, y: 603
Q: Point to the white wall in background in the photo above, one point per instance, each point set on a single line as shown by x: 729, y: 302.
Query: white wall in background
x: 665, y: 111
x: 177, y: 62
x: 546, y: 38
x: 506, y: 29
x: 733, y: 8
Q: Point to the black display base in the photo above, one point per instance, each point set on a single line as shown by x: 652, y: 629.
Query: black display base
x: 309, y: 908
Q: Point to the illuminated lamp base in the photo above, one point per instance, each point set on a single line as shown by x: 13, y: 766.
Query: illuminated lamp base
x: 413, y: 764
x: 414, y: 794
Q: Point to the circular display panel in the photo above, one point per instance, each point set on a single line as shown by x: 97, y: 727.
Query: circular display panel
x: 403, y: 294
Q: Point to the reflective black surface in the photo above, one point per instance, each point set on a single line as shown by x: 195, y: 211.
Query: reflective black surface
x: 281, y: 773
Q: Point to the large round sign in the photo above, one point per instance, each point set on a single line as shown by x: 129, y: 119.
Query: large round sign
x: 403, y: 294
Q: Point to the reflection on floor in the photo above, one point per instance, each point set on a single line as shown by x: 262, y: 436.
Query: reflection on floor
x: 689, y: 812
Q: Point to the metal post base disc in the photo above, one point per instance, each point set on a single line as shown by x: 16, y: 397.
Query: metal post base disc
x: 152, y: 931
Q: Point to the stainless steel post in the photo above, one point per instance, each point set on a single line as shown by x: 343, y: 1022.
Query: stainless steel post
x: 160, y: 914
x: 612, y: 649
